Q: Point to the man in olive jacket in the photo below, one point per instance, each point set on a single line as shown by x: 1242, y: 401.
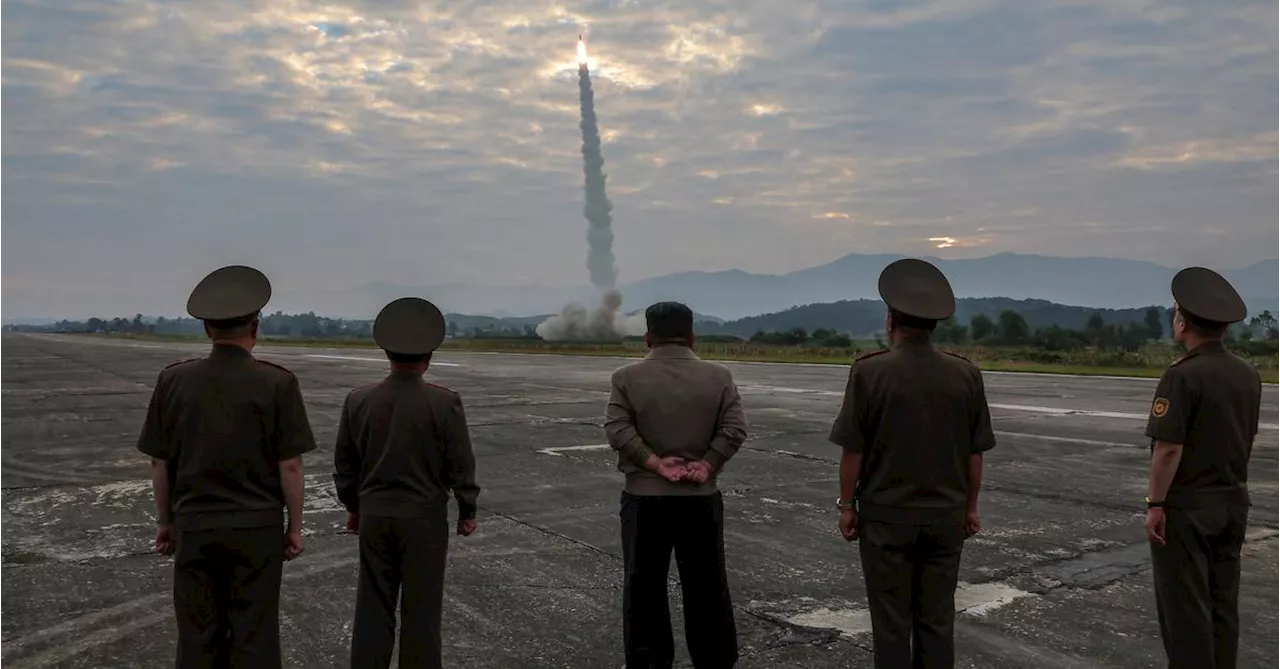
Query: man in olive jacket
x: 674, y: 420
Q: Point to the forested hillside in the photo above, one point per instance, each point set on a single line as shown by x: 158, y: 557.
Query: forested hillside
x: 861, y: 318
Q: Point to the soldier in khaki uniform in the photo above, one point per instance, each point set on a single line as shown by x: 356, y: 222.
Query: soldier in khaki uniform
x: 1204, y: 418
x: 913, y: 427
x: 226, y: 434
x: 674, y: 420
x: 402, y: 446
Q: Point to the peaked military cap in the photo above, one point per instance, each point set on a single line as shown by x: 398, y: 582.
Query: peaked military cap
x: 917, y: 288
x: 409, y: 326
x: 1204, y: 294
x: 229, y: 293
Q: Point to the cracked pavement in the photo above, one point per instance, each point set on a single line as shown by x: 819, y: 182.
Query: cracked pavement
x: 1059, y: 577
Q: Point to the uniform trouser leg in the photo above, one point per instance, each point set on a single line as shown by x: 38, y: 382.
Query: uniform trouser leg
x: 937, y: 570
x: 426, y: 546
x: 227, y: 595
x: 710, y: 630
x: 373, y: 636
x: 1183, y: 597
x: 199, y: 584
x: 648, y: 536
x: 1224, y: 584
x: 886, y: 550
x: 254, y: 559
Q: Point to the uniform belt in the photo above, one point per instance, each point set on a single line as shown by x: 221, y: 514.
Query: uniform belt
x: 910, y: 514
x: 228, y: 520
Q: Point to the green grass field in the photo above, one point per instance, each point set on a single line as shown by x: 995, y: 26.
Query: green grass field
x: 1149, y: 362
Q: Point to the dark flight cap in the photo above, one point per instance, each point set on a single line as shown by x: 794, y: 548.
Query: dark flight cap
x: 917, y: 288
x: 229, y: 293
x: 409, y: 326
x: 1203, y: 293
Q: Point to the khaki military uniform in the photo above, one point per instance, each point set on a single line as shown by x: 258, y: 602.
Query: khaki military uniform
x: 402, y: 447
x: 1209, y: 402
x: 222, y: 424
x: 916, y: 415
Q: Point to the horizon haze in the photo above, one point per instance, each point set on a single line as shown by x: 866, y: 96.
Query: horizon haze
x: 1102, y: 283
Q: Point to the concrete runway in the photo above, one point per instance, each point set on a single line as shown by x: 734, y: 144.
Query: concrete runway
x: 1059, y: 577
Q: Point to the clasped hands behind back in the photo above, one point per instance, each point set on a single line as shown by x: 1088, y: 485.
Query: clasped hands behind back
x: 676, y: 469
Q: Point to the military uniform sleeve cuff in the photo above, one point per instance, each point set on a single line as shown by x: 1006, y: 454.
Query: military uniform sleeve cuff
x: 715, y: 458
x: 297, y: 450
x: 846, y: 443
x: 1166, y: 437
x: 153, y: 450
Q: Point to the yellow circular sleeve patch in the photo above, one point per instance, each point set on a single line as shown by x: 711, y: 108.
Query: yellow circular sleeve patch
x: 1160, y: 407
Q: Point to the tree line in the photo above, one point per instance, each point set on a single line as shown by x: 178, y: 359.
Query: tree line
x: 1010, y: 328
x: 798, y: 336
x: 278, y: 324
x: 860, y: 319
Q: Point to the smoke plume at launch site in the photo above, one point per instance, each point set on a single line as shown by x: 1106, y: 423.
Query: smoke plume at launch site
x: 606, y: 321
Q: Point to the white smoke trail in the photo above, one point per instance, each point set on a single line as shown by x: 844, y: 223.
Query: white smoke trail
x: 606, y: 321
x: 604, y: 273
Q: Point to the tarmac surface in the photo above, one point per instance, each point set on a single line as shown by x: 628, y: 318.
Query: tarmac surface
x: 1059, y: 576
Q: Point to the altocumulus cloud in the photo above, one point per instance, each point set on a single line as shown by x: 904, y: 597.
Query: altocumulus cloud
x: 340, y: 143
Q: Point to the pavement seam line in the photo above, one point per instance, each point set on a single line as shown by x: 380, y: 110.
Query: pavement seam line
x: 91, y: 640
x: 89, y: 620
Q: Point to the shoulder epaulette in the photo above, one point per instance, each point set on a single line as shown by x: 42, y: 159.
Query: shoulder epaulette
x: 276, y: 365
x: 180, y: 362
x: 352, y: 393
x: 436, y: 385
x: 1181, y: 360
x: 872, y: 354
x: 957, y: 355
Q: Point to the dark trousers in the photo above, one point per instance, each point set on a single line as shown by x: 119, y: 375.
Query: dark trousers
x: 1197, y: 581
x: 693, y: 527
x: 226, y: 592
x: 911, y: 573
x: 402, y: 561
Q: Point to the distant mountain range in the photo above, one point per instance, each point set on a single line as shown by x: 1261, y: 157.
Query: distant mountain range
x: 733, y: 294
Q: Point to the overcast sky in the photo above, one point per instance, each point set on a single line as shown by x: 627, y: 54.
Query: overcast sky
x: 333, y: 144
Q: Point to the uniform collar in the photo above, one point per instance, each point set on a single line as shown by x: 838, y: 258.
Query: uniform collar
x: 229, y: 351
x: 1208, y: 347
x: 671, y: 351
x: 913, y: 344
x: 404, y: 375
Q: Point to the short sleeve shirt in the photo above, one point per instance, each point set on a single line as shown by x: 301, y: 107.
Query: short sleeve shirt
x: 1209, y: 402
x: 916, y: 414
x: 223, y: 424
